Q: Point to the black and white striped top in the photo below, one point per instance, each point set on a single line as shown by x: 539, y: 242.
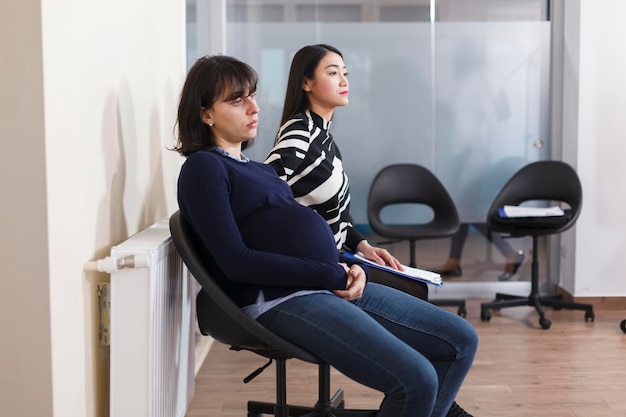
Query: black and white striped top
x: 306, y: 157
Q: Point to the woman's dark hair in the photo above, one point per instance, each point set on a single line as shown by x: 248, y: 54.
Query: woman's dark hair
x: 210, y: 78
x: 304, y: 63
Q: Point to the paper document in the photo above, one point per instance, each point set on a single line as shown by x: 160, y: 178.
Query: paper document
x: 428, y: 277
x: 518, y: 211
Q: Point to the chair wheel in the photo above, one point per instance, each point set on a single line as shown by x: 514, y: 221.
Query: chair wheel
x: 485, y: 315
x: 589, y: 316
x: 622, y: 326
x: 462, y: 311
x: 545, y: 323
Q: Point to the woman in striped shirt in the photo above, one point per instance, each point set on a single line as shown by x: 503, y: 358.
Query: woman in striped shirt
x: 307, y: 158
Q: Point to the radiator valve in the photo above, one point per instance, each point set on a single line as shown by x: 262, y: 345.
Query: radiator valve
x: 111, y: 264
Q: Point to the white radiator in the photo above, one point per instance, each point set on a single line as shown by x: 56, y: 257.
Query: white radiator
x: 152, y: 326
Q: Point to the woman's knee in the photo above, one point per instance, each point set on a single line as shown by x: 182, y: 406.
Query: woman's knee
x: 467, y: 339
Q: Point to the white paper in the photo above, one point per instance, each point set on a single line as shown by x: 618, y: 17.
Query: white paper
x: 518, y: 211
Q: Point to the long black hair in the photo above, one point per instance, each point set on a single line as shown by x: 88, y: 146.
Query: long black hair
x: 304, y: 63
x: 208, y: 79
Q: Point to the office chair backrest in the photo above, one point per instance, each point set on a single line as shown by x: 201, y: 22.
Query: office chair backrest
x: 218, y: 315
x: 411, y: 183
x: 552, y: 181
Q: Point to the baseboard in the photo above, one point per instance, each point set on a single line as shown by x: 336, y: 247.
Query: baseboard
x: 599, y: 303
x: 203, y: 347
x: 480, y: 290
x: 487, y: 290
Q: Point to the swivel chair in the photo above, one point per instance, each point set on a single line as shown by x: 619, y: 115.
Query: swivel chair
x: 413, y: 184
x: 542, y: 181
x: 219, y: 317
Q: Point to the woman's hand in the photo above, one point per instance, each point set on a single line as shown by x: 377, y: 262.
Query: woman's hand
x: 379, y: 255
x: 355, y: 284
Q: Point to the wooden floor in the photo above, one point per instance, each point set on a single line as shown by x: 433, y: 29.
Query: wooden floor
x: 573, y: 369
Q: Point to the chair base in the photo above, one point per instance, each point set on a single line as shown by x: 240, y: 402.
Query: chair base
x: 534, y: 299
x: 537, y: 301
x: 326, y: 405
x: 333, y: 409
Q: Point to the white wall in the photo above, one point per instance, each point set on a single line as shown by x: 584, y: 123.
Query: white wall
x: 594, y: 140
x: 92, y: 93
x: 25, y: 358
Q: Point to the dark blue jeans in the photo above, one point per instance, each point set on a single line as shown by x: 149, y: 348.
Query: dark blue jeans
x: 416, y: 353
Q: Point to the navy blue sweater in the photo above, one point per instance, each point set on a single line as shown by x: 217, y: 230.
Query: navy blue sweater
x: 255, y: 234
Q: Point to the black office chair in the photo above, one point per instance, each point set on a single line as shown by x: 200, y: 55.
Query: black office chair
x: 413, y: 184
x: 222, y: 319
x: 554, y: 182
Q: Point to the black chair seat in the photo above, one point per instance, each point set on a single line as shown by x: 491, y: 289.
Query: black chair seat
x: 524, y: 226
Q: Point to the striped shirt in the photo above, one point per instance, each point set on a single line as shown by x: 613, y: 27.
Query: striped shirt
x: 306, y: 157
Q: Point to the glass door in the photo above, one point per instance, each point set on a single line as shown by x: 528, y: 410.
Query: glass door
x: 459, y: 87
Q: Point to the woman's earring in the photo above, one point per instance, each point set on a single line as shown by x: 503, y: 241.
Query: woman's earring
x: 210, y: 124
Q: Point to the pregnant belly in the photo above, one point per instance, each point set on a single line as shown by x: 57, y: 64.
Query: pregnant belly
x: 292, y: 230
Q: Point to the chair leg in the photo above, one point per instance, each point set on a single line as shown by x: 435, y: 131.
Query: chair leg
x: 558, y: 304
x: 534, y: 299
x: 280, y: 407
x: 326, y: 405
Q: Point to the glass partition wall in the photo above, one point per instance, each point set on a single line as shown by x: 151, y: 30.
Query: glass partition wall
x: 460, y: 87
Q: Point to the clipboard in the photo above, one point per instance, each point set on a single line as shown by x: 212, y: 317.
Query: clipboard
x: 429, y: 277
